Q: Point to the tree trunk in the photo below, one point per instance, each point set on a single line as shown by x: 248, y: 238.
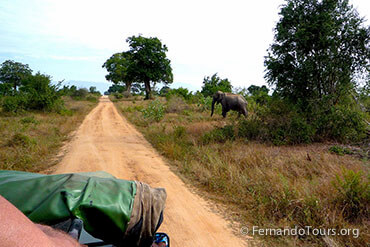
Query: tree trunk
x: 148, y: 90
x: 128, y: 87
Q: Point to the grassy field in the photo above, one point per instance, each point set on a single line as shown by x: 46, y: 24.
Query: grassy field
x: 31, y: 140
x: 260, y: 184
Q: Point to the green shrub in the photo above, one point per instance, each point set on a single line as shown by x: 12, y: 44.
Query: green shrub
x: 20, y: 139
x: 14, y: 103
x: 205, y: 104
x: 342, y: 123
x: 219, y: 135
x: 300, y: 131
x: 80, y: 94
x: 179, y: 92
x: 92, y: 98
x: 340, y: 150
x: 29, y: 120
x: 353, y: 194
x: 250, y: 129
x: 40, y: 94
x: 154, y: 111
x: 118, y: 95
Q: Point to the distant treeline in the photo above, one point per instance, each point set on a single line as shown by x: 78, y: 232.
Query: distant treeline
x: 21, y: 90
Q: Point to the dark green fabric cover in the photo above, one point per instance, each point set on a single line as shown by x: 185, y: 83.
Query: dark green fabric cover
x: 103, y: 202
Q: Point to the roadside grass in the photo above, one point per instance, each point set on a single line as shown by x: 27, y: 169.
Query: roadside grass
x: 32, y: 139
x: 261, y: 184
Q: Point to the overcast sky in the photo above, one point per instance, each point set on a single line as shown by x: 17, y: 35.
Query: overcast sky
x: 71, y: 39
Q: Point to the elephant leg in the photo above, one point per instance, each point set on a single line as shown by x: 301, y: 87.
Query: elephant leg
x: 224, y: 111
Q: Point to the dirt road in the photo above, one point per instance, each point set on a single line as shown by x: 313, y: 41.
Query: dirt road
x: 107, y: 142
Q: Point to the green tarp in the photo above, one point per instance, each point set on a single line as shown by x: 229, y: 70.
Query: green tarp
x: 101, y: 201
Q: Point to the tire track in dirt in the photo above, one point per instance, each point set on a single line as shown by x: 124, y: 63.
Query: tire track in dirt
x: 105, y: 141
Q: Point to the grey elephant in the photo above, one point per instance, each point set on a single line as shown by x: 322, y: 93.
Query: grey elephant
x: 229, y: 102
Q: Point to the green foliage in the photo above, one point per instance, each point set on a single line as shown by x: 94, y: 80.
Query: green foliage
x: 36, y: 93
x: 80, y: 94
x: 41, y: 94
x: 115, y: 88
x: 259, y: 94
x: 118, y: 95
x: 213, y: 84
x: 220, y: 135
x: 319, y: 48
x: 205, y: 103
x: 339, y: 150
x: 67, y: 91
x: 93, y: 90
x: 14, y: 104
x: 5, y: 89
x: 92, y: 98
x: 12, y: 73
x: 154, y: 111
x: 353, y: 194
x: 20, y: 139
x: 29, y: 120
x: 145, y: 62
x: 181, y: 92
x: 250, y: 129
x: 342, y: 123
x: 119, y: 68
x: 164, y: 90
x: 254, y: 90
x: 281, y: 122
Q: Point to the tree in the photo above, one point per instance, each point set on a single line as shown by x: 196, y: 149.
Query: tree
x: 40, y: 93
x: 213, y: 84
x: 119, y: 69
x: 145, y: 62
x: 116, y: 89
x: 148, y: 62
x: 319, y: 48
x: 254, y: 90
x: 13, y: 73
x: 93, y: 90
x: 182, y: 92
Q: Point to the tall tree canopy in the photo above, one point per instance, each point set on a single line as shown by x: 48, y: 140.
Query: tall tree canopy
x: 213, y: 84
x: 12, y: 73
x: 320, y: 46
x: 254, y: 90
x: 118, y: 67
x: 145, y: 62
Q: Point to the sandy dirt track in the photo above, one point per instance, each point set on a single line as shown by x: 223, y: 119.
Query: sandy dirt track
x: 105, y: 141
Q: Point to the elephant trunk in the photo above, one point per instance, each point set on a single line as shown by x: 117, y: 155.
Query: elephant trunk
x: 213, y: 106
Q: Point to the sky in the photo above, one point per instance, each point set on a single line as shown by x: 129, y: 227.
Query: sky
x: 71, y: 39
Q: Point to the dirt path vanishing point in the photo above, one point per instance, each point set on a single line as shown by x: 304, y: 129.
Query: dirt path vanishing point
x: 105, y: 141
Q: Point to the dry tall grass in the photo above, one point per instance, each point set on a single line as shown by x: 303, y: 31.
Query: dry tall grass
x: 32, y: 139
x: 265, y: 185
